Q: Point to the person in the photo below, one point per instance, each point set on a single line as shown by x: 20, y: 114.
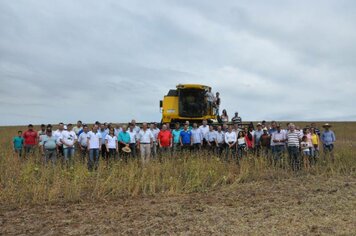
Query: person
x: 94, y: 145
x: 136, y: 127
x: 210, y: 137
x: 144, y: 143
x: 210, y: 99
x: 78, y: 128
x: 224, y: 116
x: 118, y: 129
x: 185, y: 138
x: 278, y: 140
x: 250, y: 142
x: 176, y: 138
x: 82, y: 142
x: 236, y: 119
x: 293, y: 142
x: 124, y: 139
x: 133, y: 139
x: 111, y: 145
x: 30, y: 140
x: 217, y: 103
x: 219, y: 141
x: 304, y: 145
x: 230, y: 140
x: 328, y: 139
x: 155, y: 131
x: 18, y: 142
x: 242, y: 142
x: 197, y: 137
x: 204, y: 129
x: 164, y: 139
x: 103, y: 131
x: 57, y: 134
x: 257, y: 138
x: 313, y: 126
x: 68, y: 139
x: 306, y: 132
x: 48, y: 146
x: 41, y: 133
x: 265, y: 143
x: 316, y: 143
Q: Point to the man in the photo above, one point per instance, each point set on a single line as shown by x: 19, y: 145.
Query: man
x: 217, y: 103
x: 136, y: 128
x: 124, y: 139
x: 18, y: 143
x: 236, y: 119
x: 30, y: 140
x: 278, y: 139
x: 49, y: 147
x: 230, y: 140
x: 94, y: 145
x: 197, y: 137
x: 265, y: 143
x: 144, y: 143
x: 155, y: 131
x: 164, y: 139
x: 210, y: 137
x: 293, y: 140
x: 176, y: 138
x: 78, y: 128
x: 68, y: 139
x: 103, y: 131
x: 210, y: 99
x: 328, y: 139
x: 185, y: 138
x: 133, y: 139
x: 57, y: 134
x: 118, y: 129
x: 83, y: 142
x: 41, y: 133
x: 257, y: 138
x: 204, y: 129
x: 219, y: 141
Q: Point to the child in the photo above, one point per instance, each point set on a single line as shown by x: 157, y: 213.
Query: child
x: 241, y: 144
x: 305, y: 151
x: 18, y: 142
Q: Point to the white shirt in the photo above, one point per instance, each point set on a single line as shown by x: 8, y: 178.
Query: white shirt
x: 83, y: 138
x: 211, y: 136
x: 133, y: 136
x: 117, y: 131
x: 155, y: 133
x: 68, y: 137
x: 94, y: 139
x: 76, y: 129
x: 278, y: 136
x: 230, y: 137
x: 57, y: 135
x: 204, y: 130
x: 111, y: 141
x: 137, y: 129
x: 220, y: 136
x: 145, y: 136
x: 241, y: 141
x: 197, y: 135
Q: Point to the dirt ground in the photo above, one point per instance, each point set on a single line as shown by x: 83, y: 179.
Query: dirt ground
x: 300, y: 205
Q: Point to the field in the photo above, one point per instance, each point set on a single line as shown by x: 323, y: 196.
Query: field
x: 194, y: 195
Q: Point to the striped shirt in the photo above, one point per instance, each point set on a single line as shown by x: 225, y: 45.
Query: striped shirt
x: 293, y: 139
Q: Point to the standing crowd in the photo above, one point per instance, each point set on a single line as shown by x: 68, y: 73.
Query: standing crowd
x: 229, y: 142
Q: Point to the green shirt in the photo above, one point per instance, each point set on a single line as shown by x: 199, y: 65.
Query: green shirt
x: 18, y: 142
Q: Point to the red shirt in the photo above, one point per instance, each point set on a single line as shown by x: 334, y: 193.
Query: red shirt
x: 165, y: 137
x: 30, y: 137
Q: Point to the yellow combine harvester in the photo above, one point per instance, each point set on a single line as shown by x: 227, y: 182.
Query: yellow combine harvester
x: 187, y: 102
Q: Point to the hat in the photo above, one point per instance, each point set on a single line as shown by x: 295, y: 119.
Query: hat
x: 126, y: 149
x: 265, y: 129
x: 259, y: 124
x: 65, y: 127
x: 326, y: 125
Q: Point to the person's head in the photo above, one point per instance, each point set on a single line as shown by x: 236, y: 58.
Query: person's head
x: 219, y: 128
x: 144, y: 126
x: 111, y: 131
x: 259, y: 126
x: 278, y: 126
x: 313, y: 125
x: 19, y: 133
x: 205, y: 122
x: 217, y: 94
x: 69, y: 127
x: 187, y: 123
x: 291, y: 127
x: 241, y: 134
x: 133, y: 122
x: 250, y: 128
x: 274, y: 124
x: 95, y: 128
x: 305, y: 138
x: 131, y: 126
x: 79, y: 123
x: 102, y: 127
x: 236, y: 114
x: 211, y: 128
x: 30, y: 127
x: 265, y: 130
x: 61, y: 126
x: 225, y: 126
x: 224, y: 112
x: 195, y: 125
x: 85, y: 128
x: 312, y: 130
x: 152, y: 126
x: 124, y: 128
x: 97, y: 123
x: 185, y: 127
x: 230, y: 128
x: 49, y: 126
x: 307, y: 130
x: 209, y: 89
x: 177, y: 125
x: 327, y: 126
x: 164, y: 127
x: 49, y: 132
x: 43, y: 127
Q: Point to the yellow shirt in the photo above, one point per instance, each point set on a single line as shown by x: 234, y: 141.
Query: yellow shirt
x: 315, y: 139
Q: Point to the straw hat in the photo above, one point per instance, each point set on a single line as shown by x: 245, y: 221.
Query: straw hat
x: 126, y: 149
x: 326, y: 125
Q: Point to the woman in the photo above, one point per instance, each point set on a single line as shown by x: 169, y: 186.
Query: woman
x: 111, y: 144
x: 316, y: 142
x: 241, y: 144
x: 224, y: 116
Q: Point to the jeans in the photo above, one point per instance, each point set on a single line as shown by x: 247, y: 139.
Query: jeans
x: 68, y: 154
x: 294, y: 156
x: 277, y: 152
x: 230, y: 151
x: 133, y: 149
x: 51, y: 155
x: 93, y: 160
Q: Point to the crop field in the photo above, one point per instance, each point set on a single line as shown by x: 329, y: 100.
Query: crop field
x: 182, y: 195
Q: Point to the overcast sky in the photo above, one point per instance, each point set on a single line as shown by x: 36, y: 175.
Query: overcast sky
x: 114, y: 60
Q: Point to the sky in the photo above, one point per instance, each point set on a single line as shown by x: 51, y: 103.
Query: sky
x: 107, y: 60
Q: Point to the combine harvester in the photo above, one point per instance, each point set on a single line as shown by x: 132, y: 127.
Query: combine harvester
x: 188, y: 102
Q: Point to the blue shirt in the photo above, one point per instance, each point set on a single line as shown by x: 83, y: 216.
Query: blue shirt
x: 18, y: 142
x: 186, y: 136
x: 328, y: 137
x: 103, y: 133
x: 124, y: 137
x: 176, y: 135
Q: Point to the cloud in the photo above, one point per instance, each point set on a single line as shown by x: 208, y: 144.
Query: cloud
x: 114, y: 60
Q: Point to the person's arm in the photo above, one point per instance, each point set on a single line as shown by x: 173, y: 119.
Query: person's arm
x: 159, y: 140
x: 180, y: 140
x: 13, y: 144
x: 88, y: 143
x: 117, y: 145
x: 333, y: 137
x: 106, y: 144
x: 100, y: 144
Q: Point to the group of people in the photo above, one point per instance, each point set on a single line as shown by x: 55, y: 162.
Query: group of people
x: 230, y: 142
